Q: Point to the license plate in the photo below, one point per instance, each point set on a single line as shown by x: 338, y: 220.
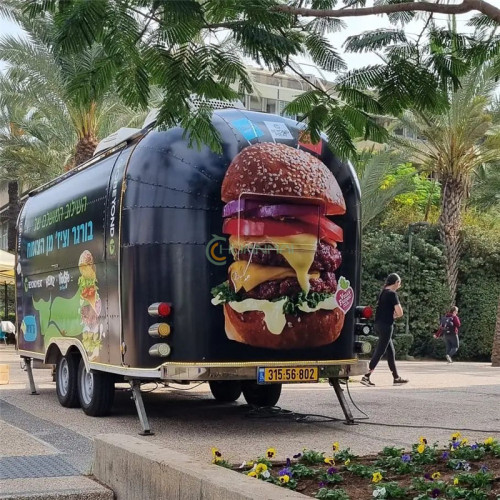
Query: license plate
x: 287, y: 375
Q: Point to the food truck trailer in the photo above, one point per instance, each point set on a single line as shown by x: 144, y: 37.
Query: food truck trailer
x: 159, y: 261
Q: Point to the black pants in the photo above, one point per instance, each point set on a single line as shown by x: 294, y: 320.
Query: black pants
x: 384, y: 345
x: 452, y: 343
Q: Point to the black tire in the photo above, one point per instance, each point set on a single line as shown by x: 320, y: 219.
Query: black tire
x: 225, y: 391
x: 96, y: 391
x: 261, y: 395
x: 66, y: 378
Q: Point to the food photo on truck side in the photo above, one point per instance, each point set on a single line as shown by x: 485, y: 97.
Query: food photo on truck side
x: 156, y: 261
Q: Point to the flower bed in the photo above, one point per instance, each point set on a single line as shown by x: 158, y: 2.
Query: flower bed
x: 463, y: 470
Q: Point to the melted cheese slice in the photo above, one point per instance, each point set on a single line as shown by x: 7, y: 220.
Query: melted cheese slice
x: 274, y: 316
x: 298, y: 250
x: 248, y: 275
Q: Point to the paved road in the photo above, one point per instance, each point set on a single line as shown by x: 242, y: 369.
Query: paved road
x: 439, y: 399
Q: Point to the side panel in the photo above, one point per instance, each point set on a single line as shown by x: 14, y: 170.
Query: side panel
x: 61, y: 272
x: 172, y: 215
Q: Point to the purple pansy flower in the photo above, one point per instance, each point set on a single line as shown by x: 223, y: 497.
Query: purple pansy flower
x: 427, y: 476
x: 406, y: 458
x: 456, y: 444
x: 435, y: 492
x: 322, y: 484
x: 331, y: 470
x: 473, y: 446
x: 285, y: 472
x: 445, y: 455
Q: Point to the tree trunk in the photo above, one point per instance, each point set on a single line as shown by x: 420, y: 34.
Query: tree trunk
x: 450, y: 221
x: 84, y: 150
x: 495, y: 353
x: 12, y: 214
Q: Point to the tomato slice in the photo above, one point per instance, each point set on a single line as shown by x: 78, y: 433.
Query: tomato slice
x: 267, y: 227
x: 327, y: 229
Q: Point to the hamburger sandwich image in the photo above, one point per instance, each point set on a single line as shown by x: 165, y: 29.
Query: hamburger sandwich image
x: 281, y: 287
x: 87, y: 286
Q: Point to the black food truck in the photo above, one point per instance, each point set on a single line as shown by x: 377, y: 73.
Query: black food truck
x: 156, y: 261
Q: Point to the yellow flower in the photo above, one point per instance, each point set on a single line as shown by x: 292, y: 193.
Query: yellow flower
x: 377, y: 477
x: 329, y: 461
x: 455, y: 481
x: 421, y: 448
x: 456, y: 436
x: 260, y: 468
x: 347, y: 462
x: 284, y: 479
x: 271, y: 452
x: 216, y: 453
x: 489, y: 441
x: 436, y: 475
x: 422, y: 440
x: 252, y: 474
x: 216, y: 460
x: 464, y: 442
x: 336, y: 446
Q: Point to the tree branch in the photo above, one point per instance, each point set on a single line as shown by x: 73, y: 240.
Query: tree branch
x: 462, y: 8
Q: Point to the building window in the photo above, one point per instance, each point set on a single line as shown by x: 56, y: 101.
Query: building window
x: 255, y: 103
x: 271, y: 106
x: 4, y: 236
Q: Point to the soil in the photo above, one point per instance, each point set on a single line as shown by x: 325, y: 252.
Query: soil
x: 359, y: 488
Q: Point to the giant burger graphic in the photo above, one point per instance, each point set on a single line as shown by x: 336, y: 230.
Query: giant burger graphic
x: 282, y: 290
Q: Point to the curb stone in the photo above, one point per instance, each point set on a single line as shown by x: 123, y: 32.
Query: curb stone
x: 136, y: 470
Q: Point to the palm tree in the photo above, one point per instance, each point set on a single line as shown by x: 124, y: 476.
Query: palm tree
x: 452, y: 146
x: 374, y: 170
x: 72, y: 93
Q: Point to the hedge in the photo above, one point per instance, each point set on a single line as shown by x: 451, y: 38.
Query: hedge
x: 424, y: 288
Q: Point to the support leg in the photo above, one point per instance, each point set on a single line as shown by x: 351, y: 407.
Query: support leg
x: 29, y: 370
x: 141, y: 411
x: 349, y: 419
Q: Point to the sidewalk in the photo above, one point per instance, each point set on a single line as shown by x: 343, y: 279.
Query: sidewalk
x: 30, y: 466
x: 47, y: 448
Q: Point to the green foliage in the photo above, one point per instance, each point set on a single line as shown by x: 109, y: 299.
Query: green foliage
x: 361, y: 470
x: 302, y: 471
x: 478, y: 292
x: 191, y: 47
x: 389, y: 490
x: 336, y: 494
x: 312, y: 457
x: 384, y: 253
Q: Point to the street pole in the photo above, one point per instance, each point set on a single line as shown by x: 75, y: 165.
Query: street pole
x: 410, y: 247
x: 410, y: 241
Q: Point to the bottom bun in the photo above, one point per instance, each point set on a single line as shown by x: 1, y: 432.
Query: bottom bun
x: 301, y: 331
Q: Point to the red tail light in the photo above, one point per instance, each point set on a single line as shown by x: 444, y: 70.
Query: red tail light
x: 160, y: 309
x: 367, y: 312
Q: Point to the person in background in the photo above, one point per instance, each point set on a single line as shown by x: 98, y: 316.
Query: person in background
x: 448, y: 329
x: 388, y: 309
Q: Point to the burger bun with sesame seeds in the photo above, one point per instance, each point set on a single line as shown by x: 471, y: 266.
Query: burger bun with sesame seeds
x: 280, y: 170
x: 281, y: 288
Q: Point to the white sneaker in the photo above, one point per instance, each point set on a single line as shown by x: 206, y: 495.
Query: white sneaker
x: 448, y: 358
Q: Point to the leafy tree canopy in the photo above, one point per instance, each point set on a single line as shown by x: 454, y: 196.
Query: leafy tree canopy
x: 195, y: 47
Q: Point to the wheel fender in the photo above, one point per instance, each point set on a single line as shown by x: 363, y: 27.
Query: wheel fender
x: 62, y: 346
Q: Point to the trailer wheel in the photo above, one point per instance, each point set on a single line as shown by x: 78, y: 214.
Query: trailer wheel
x: 66, y: 378
x: 261, y: 395
x: 96, y: 391
x: 225, y: 391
